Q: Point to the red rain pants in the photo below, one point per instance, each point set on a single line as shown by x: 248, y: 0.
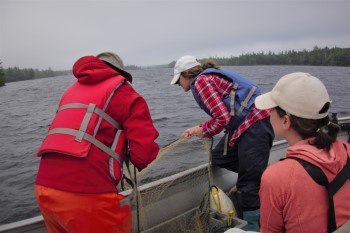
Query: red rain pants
x: 65, y: 212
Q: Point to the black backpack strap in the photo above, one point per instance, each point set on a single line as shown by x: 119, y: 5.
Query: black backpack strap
x: 315, y: 172
x: 320, y: 178
x: 341, y: 178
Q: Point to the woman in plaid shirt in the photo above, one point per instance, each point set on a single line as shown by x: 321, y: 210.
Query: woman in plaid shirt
x: 245, y: 148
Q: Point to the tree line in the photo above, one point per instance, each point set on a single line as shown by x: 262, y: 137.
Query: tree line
x: 2, y: 75
x: 316, y: 57
x: 13, y: 74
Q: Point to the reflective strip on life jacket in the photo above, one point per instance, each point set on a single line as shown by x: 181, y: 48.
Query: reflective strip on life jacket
x: 226, y: 143
x: 232, y: 98
x: 111, y: 162
x: 240, y: 99
x: 96, y: 110
x: 81, y: 133
x: 89, y: 138
x: 244, y: 103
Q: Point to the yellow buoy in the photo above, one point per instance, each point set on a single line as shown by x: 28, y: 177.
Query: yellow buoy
x: 219, y: 201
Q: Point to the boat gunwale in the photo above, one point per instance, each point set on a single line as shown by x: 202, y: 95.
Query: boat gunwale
x: 37, y: 221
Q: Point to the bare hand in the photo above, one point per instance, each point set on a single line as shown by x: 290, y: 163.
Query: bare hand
x: 194, y: 131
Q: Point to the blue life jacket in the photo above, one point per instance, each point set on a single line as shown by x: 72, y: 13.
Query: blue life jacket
x: 243, y: 90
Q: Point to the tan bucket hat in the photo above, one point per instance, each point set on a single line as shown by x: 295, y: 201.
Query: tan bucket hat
x: 116, y: 62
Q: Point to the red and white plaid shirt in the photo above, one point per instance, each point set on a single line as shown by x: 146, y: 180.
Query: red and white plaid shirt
x: 211, y: 90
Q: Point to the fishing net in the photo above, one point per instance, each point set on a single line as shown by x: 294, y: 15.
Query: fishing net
x: 173, y: 192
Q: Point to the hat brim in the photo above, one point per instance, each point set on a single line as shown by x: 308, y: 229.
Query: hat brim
x: 175, y: 79
x: 125, y: 74
x: 265, y: 101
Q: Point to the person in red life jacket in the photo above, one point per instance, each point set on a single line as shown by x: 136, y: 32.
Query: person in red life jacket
x: 291, y: 200
x: 228, y: 98
x: 100, y: 121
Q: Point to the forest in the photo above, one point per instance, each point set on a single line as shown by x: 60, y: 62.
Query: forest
x: 17, y: 74
x: 2, y: 76
x: 316, y: 57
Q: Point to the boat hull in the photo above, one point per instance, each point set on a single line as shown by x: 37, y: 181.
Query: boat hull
x: 179, y: 199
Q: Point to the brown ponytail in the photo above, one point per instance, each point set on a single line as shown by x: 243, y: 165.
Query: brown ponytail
x: 323, y: 130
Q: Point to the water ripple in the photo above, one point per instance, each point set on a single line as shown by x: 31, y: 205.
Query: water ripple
x: 27, y: 108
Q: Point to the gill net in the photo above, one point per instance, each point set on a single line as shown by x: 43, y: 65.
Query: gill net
x: 164, y: 207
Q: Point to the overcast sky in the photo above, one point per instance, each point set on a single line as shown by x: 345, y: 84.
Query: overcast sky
x: 55, y: 33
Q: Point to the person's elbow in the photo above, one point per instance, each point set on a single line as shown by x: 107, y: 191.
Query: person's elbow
x: 145, y: 155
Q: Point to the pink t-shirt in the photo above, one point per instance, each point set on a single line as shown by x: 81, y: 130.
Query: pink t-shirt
x: 292, y: 202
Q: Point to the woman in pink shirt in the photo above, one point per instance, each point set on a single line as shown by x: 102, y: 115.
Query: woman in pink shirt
x: 291, y: 201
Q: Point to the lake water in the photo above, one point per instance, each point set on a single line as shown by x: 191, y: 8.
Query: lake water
x: 27, y: 108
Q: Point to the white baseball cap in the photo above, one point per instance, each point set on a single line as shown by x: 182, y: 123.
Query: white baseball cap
x: 299, y: 94
x: 183, y: 63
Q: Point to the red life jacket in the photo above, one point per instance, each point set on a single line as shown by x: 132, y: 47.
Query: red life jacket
x: 78, y: 119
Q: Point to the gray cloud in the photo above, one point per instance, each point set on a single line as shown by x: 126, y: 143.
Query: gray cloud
x: 53, y: 33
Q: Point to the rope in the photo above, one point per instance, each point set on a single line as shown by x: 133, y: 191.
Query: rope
x: 170, y: 146
x: 208, y: 148
x: 162, y: 152
x: 137, y: 202
x: 208, y: 143
x: 139, y: 175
